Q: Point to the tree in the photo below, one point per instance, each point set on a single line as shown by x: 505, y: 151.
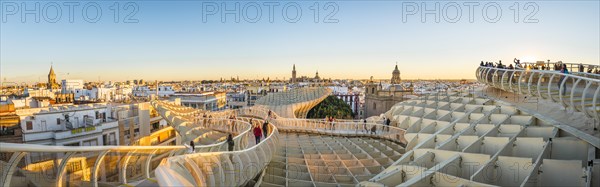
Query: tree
x: 331, y: 106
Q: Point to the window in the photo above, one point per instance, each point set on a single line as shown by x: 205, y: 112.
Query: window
x: 92, y: 142
x: 112, y: 139
x: 374, y: 106
x: 58, y: 121
x: 109, y: 139
x: 29, y: 125
x: 44, y: 128
x: 373, y: 90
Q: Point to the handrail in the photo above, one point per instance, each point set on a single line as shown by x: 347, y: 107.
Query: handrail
x: 574, y: 68
x: 571, y: 66
x: 538, y: 71
x: 391, y: 133
x: 243, y: 129
x: 206, y: 169
x: 186, y: 128
x: 17, y: 147
x: 573, y: 92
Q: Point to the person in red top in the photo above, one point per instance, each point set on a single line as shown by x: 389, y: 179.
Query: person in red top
x: 257, y: 133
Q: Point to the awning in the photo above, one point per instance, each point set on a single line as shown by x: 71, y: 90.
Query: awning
x: 9, y: 121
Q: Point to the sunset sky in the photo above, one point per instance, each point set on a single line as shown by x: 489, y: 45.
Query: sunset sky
x: 171, y: 41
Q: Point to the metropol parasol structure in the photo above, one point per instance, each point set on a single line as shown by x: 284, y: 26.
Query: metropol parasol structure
x: 446, y: 139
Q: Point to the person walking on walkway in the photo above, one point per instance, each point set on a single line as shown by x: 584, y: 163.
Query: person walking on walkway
x: 230, y: 142
x: 230, y: 145
x: 232, y: 118
x: 190, y: 148
x: 265, y: 129
x: 332, y: 123
x: 365, y: 125
x: 257, y: 134
x: 204, y: 120
x: 387, y: 124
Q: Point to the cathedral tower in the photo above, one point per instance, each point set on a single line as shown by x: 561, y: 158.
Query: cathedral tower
x: 294, y: 74
x: 52, y: 79
x: 396, y: 76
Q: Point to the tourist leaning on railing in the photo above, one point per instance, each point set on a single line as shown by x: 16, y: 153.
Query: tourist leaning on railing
x: 565, y: 71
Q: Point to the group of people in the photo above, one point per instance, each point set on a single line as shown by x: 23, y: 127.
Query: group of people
x: 591, y: 69
x: 373, y: 129
x: 497, y: 65
x: 207, y: 119
x: 331, y: 120
x: 260, y: 132
x: 559, y: 66
x: 562, y: 68
x: 191, y: 148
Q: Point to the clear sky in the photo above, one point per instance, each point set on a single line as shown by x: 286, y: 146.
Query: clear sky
x: 171, y: 41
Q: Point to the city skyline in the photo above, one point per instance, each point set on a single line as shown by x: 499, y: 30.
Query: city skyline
x: 174, y: 42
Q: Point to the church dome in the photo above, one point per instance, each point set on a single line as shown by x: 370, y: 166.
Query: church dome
x: 396, y: 70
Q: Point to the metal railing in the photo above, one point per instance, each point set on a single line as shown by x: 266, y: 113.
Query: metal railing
x: 133, y: 163
x: 576, y: 93
x: 584, y: 70
x: 226, y: 168
x: 112, y: 165
x: 374, y: 130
